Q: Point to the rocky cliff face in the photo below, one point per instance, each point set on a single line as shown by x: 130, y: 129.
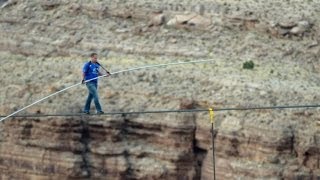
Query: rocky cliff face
x: 116, y: 147
x: 44, y: 44
x: 159, y: 147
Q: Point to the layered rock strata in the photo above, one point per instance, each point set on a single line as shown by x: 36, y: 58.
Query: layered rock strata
x: 159, y: 146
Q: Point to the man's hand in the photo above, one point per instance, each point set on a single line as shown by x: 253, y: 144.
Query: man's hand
x: 108, y: 74
x: 82, y: 81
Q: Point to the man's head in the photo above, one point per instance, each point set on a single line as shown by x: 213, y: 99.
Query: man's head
x: 94, y: 57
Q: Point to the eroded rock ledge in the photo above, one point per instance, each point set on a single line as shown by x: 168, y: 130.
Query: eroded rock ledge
x: 115, y: 147
x: 157, y: 147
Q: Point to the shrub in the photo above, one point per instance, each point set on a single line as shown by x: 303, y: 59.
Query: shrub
x: 248, y: 65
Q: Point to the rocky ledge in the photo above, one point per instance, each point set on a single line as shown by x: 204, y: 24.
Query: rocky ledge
x: 161, y: 146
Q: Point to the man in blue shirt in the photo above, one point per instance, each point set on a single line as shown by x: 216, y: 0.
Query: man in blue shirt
x: 90, y: 71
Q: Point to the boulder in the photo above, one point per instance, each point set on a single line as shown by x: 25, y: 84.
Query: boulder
x: 157, y: 19
x: 191, y: 20
x: 301, y: 27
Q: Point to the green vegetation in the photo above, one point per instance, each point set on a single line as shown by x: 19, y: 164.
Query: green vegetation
x: 248, y: 65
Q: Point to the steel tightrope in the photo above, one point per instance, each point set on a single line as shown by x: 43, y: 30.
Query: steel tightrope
x: 175, y: 111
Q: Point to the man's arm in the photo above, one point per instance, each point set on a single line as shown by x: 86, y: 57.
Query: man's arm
x: 83, y: 73
x: 107, y: 74
x: 106, y: 71
x: 83, y: 80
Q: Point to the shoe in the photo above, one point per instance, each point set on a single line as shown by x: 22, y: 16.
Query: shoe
x: 86, y: 112
x: 100, y: 112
